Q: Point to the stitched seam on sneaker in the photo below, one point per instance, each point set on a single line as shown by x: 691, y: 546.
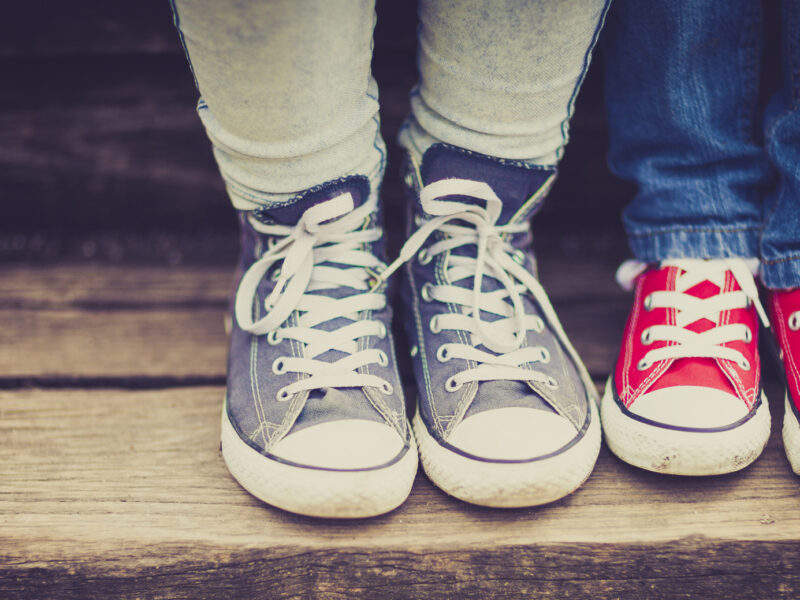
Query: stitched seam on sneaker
x: 788, y: 356
x: 725, y: 365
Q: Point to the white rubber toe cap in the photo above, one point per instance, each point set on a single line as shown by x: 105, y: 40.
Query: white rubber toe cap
x: 690, y: 406
x: 346, y: 444
x: 515, y: 433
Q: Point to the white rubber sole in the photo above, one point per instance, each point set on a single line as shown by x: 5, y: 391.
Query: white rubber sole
x: 680, y: 452
x: 318, y: 492
x: 509, y: 485
x: 791, y: 437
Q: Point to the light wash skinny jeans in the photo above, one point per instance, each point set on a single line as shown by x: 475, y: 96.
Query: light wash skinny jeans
x: 289, y: 101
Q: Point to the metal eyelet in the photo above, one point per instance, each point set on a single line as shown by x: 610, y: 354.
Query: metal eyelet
x: 743, y: 364
x: 275, y: 275
x: 383, y: 359
x: 794, y: 321
x: 648, y: 302
x: 282, y: 395
x: 425, y: 292
x: 518, y: 257
x: 272, y: 338
x: 414, y: 351
x: 551, y: 383
x: 646, y: 338
x: 434, y: 324
x: 424, y: 257
x: 442, y: 354
x: 539, y: 325
x: 748, y: 335
x: 279, y: 366
x: 409, y: 179
x: 387, y: 388
x: 643, y: 365
x: 545, y: 355
x: 417, y: 220
x: 451, y: 385
x: 382, y: 332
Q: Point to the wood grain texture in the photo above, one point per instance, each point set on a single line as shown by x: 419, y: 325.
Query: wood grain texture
x: 67, y: 322
x: 123, y: 494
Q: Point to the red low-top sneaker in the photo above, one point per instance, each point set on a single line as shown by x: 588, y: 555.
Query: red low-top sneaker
x: 784, y: 312
x: 686, y: 397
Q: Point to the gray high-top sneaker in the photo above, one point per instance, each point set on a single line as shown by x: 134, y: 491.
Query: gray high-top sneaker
x: 507, y: 413
x: 314, y: 420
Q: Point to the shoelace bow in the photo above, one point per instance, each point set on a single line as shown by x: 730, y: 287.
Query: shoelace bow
x: 683, y: 342
x: 325, y: 250
x: 506, y: 334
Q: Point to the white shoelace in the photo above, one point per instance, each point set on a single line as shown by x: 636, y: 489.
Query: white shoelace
x: 504, y: 336
x: 684, y: 343
x: 325, y: 250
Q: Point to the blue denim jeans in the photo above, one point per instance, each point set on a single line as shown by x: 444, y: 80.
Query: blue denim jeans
x: 289, y: 101
x: 717, y: 176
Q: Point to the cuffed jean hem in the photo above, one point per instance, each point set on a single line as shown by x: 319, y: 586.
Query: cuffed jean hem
x: 781, y: 273
x: 726, y: 242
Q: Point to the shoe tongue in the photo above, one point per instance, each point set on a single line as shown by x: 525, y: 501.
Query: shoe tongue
x: 700, y: 371
x: 289, y: 212
x: 513, y: 182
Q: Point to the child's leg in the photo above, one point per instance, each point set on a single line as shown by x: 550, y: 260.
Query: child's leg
x: 505, y: 415
x: 314, y: 419
x: 288, y: 98
x: 681, y: 91
x: 780, y: 239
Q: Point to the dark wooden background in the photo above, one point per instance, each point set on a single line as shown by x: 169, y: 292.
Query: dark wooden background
x: 103, y: 157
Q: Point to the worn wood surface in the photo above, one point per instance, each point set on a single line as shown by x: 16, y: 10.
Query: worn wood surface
x: 65, y: 322
x: 111, y: 483
x: 115, y: 493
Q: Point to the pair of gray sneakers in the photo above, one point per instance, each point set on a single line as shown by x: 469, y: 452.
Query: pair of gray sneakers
x: 314, y: 420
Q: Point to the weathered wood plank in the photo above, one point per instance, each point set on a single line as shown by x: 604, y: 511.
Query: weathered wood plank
x: 109, y: 493
x: 106, y: 321
x: 108, y: 286
x: 190, y: 342
x: 71, y: 344
x: 568, y: 279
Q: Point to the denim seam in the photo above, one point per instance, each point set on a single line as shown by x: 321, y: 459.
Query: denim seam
x: 683, y: 229
x: 784, y: 259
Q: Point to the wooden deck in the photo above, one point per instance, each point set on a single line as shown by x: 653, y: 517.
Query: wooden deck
x: 112, y: 485
x: 116, y: 252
